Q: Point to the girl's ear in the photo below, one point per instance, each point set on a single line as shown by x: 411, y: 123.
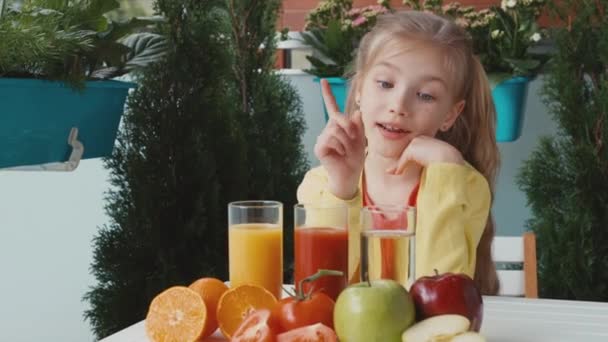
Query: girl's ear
x: 453, y: 114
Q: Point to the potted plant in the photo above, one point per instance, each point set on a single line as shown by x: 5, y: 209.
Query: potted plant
x: 506, y: 55
x: 333, y: 29
x: 56, y: 61
x: 503, y: 38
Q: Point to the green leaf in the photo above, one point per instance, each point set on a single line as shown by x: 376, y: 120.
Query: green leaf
x: 145, y: 48
x: 58, y: 5
x: 334, y: 37
x: 117, y: 30
x: 506, y: 22
x: 316, y: 40
x: 92, y: 16
x: 100, y: 7
x: 99, y: 24
x: 525, y: 26
x: 316, y: 62
x: 45, y: 12
x: 323, y: 69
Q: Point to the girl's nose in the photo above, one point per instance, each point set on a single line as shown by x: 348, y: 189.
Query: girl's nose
x: 399, y: 105
x: 400, y: 112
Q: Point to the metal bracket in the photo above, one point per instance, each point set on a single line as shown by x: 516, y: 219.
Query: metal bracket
x: 70, y: 165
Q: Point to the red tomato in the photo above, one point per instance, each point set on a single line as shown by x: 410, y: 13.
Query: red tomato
x: 311, y: 333
x: 292, y: 312
x: 257, y: 327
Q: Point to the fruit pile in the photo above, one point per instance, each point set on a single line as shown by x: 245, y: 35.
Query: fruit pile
x: 246, y: 313
x: 447, y: 307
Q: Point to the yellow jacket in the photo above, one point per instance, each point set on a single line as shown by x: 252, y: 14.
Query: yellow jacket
x: 452, y: 209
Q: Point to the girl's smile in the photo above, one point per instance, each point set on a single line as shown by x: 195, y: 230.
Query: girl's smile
x: 392, y: 131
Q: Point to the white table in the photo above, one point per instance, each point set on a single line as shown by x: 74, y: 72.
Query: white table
x: 505, y: 320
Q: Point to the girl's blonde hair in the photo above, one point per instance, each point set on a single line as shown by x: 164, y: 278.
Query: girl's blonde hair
x: 473, y: 132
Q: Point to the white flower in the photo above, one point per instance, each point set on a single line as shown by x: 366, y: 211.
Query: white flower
x: 508, y: 4
x: 535, y: 37
x: 496, y: 34
x: 462, y: 22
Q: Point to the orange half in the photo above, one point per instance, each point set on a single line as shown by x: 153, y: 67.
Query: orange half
x: 177, y: 314
x: 237, y: 303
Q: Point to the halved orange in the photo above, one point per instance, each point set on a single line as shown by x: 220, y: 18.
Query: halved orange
x: 238, y: 303
x: 211, y: 290
x: 177, y: 314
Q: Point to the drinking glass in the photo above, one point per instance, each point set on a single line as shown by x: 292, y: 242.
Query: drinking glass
x: 388, y: 243
x: 255, y: 244
x: 321, y: 242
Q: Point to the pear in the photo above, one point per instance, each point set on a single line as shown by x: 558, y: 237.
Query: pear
x: 437, y: 328
x: 468, y: 337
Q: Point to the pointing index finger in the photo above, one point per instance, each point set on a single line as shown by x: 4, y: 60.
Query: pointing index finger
x: 328, y: 98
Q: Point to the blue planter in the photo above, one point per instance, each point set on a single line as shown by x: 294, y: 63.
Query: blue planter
x: 510, y: 100
x: 37, y: 116
x: 339, y: 87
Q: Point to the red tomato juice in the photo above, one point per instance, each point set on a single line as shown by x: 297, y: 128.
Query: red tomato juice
x: 321, y: 248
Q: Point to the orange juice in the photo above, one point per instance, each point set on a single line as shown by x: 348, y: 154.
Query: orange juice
x: 255, y: 252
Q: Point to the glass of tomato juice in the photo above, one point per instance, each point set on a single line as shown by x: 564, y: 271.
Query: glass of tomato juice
x: 321, y: 242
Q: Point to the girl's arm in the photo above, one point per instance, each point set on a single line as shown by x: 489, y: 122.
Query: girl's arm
x: 453, y: 206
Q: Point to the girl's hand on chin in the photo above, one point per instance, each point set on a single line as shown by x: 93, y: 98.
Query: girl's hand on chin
x: 341, y: 147
x: 425, y: 150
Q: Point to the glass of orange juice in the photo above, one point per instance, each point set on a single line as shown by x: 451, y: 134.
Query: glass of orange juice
x: 255, y: 244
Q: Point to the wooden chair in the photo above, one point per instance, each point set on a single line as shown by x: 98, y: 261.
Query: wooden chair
x: 517, y: 249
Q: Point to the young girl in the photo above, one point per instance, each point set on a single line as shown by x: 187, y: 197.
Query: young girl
x: 420, y: 122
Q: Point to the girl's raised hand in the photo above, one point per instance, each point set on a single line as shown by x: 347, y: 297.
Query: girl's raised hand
x: 425, y: 150
x: 341, y: 147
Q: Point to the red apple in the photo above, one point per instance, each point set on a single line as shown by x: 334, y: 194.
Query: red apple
x: 448, y: 293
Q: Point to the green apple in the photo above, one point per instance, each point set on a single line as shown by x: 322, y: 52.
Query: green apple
x: 379, y: 311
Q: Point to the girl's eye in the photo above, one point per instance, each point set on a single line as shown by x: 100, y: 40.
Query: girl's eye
x: 425, y: 97
x: 384, y: 84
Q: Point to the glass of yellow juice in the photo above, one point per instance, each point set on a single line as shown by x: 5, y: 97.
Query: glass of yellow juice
x: 388, y: 243
x: 255, y: 244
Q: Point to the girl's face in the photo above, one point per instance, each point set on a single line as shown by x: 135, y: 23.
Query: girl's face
x: 405, y: 95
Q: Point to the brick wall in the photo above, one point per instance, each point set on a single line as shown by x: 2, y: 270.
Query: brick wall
x: 295, y: 11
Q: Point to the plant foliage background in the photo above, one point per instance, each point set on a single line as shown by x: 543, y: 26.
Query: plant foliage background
x: 209, y: 124
x: 566, y: 177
